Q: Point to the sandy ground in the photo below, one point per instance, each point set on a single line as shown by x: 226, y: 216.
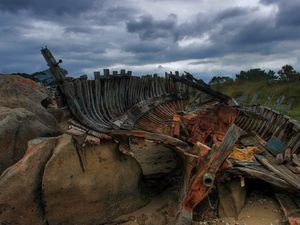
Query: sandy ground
x: 259, y: 210
x: 160, y: 211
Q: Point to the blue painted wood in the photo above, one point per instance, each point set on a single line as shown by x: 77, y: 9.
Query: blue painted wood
x: 275, y: 145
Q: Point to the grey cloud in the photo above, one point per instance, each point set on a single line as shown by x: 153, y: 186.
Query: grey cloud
x: 289, y: 16
x: 288, y: 12
x: 105, y: 33
x: 252, y: 35
x: 233, y: 13
x: 146, y: 47
x: 148, y: 28
x: 110, y: 14
x: 40, y: 7
x: 203, y: 62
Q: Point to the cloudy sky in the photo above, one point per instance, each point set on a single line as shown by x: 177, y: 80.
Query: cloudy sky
x: 205, y: 37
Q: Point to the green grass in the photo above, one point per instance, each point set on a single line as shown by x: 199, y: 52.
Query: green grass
x: 264, y: 89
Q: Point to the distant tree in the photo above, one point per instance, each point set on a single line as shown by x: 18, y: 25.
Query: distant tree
x: 271, y: 75
x: 220, y: 80
x: 287, y: 72
x: 256, y: 74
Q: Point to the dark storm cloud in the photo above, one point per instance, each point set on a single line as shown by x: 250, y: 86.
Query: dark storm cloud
x: 232, y: 31
x: 289, y: 16
x: 110, y: 14
x: 90, y: 34
x: 284, y: 26
x: 223, y: 39
x: 146, y: 47
x: 56, y: 7
x: 232, y: 13
x: 148, y: 28
x: 288, y: 12
x: 260, y: 32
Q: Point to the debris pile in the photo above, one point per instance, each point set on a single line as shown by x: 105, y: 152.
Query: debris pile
x: 215, y: 140
x: 130, y: 138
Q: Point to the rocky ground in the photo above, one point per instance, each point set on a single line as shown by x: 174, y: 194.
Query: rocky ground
x: 22, y: 117
x: 47, y: 178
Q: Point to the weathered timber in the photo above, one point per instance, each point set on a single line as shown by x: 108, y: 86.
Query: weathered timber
x: 262, y: 174
x: 53, y: 64
x: 201, y: 86
x: 267, y: 123
x: 283, y: 172
x: 117, y: 105
x: 107, y: 102
x: 202, y: 182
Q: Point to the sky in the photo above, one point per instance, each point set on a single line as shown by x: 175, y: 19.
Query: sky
x: 204, y: 37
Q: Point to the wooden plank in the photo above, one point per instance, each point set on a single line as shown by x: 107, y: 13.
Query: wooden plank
x: 262, y: 174
x: 283, y: 172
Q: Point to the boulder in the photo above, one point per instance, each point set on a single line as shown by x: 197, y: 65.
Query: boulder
x: 91, y: 185
x: 22, y: 117
x: 20, y: 186
x: 17, y: 127
x: 13, y: 86
x: 155, y: 158
x: 232, y: 198
x: 20, y: 92
x: 56, y: 183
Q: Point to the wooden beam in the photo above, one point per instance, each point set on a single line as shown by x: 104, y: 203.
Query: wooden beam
x: 200, y: 184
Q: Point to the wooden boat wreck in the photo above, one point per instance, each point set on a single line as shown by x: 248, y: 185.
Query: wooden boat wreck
x: 211, y: 133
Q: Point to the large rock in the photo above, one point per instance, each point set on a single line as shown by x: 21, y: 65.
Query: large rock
x: 20, y: 186
x: 106, y: 186
x: 17, y: 127
x: 155, y: 158
x: 20, y: 92
x: 232, y: 198
x: 20, y: 87
x: 22, y: 117
x: 50, y: 185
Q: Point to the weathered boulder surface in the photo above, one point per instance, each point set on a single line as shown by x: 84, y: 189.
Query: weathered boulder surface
x: 22, y: 117
x: 17, y: 127
x: 106, y: 187
x: 155, y: 158
x: 50, y: 186
x: 20, y: 185
x: 20, y: 92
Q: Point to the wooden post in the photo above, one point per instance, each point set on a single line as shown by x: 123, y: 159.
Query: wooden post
x: 122, y: 72
x: 96, y: 75
x: 106, y: 72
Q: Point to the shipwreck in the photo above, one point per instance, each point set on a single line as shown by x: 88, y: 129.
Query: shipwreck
x: 215, y: 137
